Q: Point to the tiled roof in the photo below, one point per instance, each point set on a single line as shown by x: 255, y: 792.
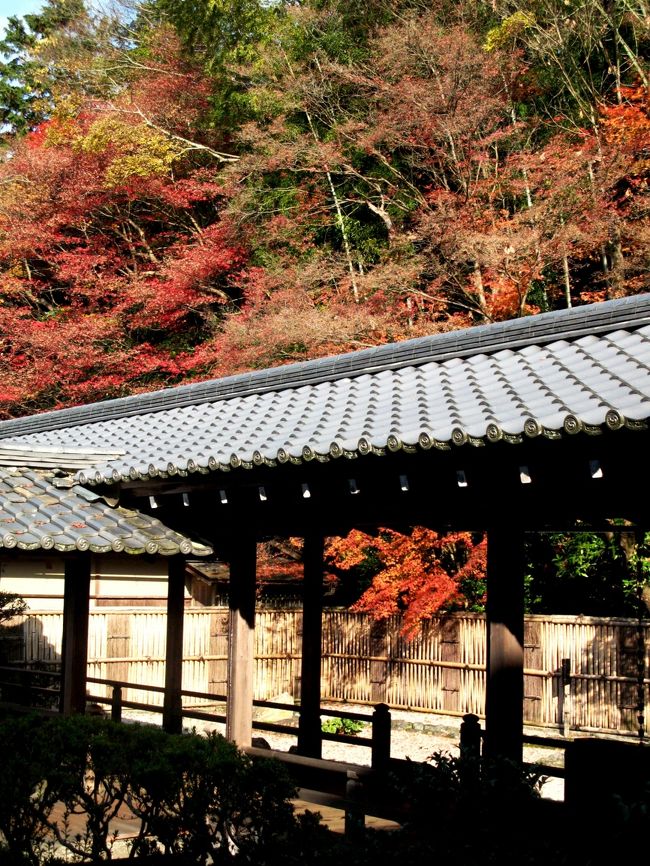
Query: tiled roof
x: 36, y: 514
x: 565, y: 372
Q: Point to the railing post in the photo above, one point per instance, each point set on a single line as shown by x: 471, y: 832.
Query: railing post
x: 355, y: 819
x: 116, y: 703
x: 380, y: 737
x: 565, y: 701
x: 470, y: 737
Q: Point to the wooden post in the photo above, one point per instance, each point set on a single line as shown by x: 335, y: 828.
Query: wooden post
x: 450, y: 651
x: 504, y: 702
x: 116, y: 704
x: 241, y: 641
x: 355, y: 819
x: 565, y: 697
x: 470, y: 749
x: 173, y: 705
x: 118, y: 644
x: 309, y: 729
x: 470, y: 737
x: 74, y: 663
x: 218, y: 650
x: 379, y: 665
x: 533, y: 685
x: 381, y: 723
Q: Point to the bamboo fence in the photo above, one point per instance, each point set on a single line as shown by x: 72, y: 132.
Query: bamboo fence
x: 441, y: 670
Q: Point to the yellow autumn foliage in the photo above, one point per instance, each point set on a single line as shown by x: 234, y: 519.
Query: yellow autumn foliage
x: 136, y: 150
x: 510, y: 28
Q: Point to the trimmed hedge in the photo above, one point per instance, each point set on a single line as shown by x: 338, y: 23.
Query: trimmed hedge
x: 195, y: 796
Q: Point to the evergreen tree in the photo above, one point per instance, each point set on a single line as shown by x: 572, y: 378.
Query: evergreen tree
x: 25, y: 81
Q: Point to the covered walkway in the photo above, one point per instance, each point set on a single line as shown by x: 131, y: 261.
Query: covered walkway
x: 528, y: 425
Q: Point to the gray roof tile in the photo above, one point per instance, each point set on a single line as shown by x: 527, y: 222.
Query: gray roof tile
x: 536, y: 376
x: 45, y: 517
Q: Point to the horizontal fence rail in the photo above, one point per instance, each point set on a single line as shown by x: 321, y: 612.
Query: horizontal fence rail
x: 581, y: 673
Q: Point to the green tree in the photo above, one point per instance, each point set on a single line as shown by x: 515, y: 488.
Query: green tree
x: 581, y: 52
x: 25, y: 81
x: 595, y: 574
x: 11, y: 605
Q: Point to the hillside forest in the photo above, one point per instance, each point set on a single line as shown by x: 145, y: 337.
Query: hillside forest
x: 193, y: 188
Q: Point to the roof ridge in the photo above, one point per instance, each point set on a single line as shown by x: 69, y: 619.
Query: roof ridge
x: 481, y: 339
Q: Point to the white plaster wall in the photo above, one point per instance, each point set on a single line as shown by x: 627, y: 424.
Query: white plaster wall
x: 126, y: 580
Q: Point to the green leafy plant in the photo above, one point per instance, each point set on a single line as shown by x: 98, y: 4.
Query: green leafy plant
x: 336, y: 725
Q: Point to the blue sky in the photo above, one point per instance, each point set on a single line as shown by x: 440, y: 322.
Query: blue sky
x: 17, y: 7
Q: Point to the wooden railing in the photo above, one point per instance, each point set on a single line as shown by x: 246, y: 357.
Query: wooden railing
x: 17, y: 687
x: 379, y: 721
x: 21, y: 685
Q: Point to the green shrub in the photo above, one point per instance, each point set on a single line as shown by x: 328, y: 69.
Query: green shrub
x: 202, y: 798
x: 197, y: 797
x: 454, y: 787
x: 335, y: 725
x: 26, y: 796
x: 95, y: 758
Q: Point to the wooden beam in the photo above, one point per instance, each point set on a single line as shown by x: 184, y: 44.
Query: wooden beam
x: 241, y: 637
x: 172, y: 706
x: 76, y: 603
x: 505, y: 643
x: 309, y: 730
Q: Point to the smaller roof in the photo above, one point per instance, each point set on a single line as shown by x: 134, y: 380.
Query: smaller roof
x: 36, y: 514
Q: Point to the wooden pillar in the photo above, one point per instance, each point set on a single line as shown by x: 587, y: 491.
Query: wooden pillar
x: 241, y: 641
x: 379, y: 665
x: 173, y: 703
x: 505, y: 644
x: 309, y: 730
x: 74, y: 664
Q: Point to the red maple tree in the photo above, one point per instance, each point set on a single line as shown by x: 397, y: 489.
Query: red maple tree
x: 416, y: 573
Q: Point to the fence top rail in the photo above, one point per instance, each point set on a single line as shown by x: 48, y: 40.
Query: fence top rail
x: 555, y: 742
x: 161, y: 610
